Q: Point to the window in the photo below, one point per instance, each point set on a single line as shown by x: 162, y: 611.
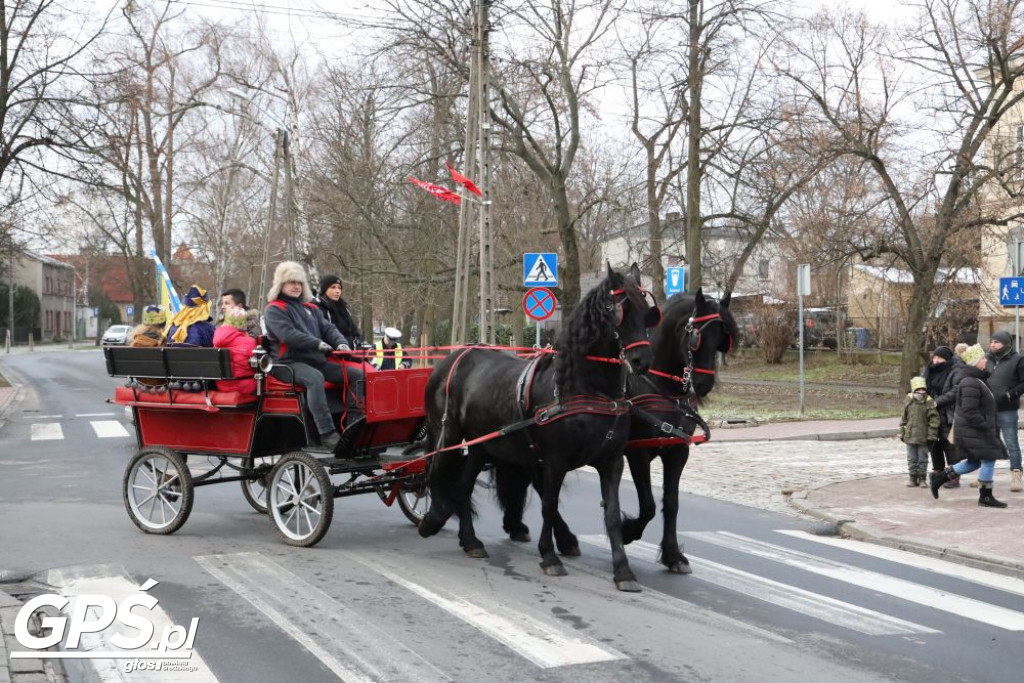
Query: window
x: 49, y: 321
x: 762, y: 269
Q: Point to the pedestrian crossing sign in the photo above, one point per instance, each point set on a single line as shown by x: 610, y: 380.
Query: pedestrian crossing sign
x: 540, y: 270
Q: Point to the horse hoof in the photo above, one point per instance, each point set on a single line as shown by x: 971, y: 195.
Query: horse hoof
x: 554, y: 570
x: 428, y: 527
x: 628, y: 586
x: 520, y: 536
x: 571, y: 552
x: 477, y: 553
x: 680, y: 567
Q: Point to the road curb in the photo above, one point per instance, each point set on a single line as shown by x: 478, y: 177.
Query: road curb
x: 23, y: 670
x: 827, y: 436
x: 850, y: 529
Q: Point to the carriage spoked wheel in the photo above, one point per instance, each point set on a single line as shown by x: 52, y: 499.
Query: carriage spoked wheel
x: 157, y: 490
x: 414, y: 496
x: 301, y: 499
x: 255, y: 490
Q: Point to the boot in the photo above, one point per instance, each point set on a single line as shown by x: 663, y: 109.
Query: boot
x: 914, y: 481
x: 985, y: 497
x: 953, y: 483
x: 938, y: 478
x: 1015, y: 481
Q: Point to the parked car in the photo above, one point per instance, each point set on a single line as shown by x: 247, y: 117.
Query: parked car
x: 747, y: 324
x: 116, y: 335
x: 819, y: 328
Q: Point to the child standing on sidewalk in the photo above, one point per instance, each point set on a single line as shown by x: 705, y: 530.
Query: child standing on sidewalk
x: 919, y: 428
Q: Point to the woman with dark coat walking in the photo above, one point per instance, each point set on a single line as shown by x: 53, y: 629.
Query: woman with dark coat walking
x: 975, y: 432
x: 939, y: 381
x: 336, y: 309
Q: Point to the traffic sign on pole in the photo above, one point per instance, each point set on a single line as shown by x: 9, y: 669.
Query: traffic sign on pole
x: 1011, y: 291
x: 539, y: 303
x: 540, y: 270
x: 675, y: 280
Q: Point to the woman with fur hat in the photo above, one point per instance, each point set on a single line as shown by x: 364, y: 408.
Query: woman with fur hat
x: 192, y: 325
x: 232, y: 335
x: 975, y: 431
x: 298, y: 337
x: 336, y: 308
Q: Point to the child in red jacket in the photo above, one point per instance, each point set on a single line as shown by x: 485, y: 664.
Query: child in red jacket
x: 232, y: 335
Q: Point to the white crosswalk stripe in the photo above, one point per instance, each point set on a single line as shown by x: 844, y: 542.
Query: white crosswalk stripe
x: 932, y: 564
x: 108, y: 429
x: 351, y: 647
x: 47, y: 431
x: 799, y: 600
x: 910, y: 591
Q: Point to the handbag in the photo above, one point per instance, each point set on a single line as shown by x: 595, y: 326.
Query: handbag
x: 949, y: 437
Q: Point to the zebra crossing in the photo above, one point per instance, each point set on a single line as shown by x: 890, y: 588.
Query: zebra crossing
x: 445, y: 597
x: 52, y: 430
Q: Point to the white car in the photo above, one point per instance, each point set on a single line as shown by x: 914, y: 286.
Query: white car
x: 116, y: 335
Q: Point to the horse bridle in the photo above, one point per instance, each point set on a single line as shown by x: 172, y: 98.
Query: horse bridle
x: 693, y: 335
x: 615, y: 307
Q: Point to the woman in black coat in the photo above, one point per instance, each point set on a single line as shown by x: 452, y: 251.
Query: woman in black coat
x: 335, y: 308
x: 939, y: 379
x: 975, y: 432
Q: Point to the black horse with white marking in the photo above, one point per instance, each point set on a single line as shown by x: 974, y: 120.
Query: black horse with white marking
x: 572, y: 402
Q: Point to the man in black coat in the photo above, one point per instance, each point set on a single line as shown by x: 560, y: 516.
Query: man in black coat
x: 975, y: 432
x: 939, y: 377
x: 1006, y: 380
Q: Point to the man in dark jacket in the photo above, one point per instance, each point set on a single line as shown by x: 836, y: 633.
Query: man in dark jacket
x: 298, y: 337
x: 336, y: 308
x: 939, y: 381
x: 1006, y: 380
x: 975, y: 432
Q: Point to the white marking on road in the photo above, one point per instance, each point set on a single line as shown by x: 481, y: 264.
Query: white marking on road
x: 47, y: 431
x: 945, y: 601
x: 112, y: 581
x: 108, y: 429
x: 341, y: 639
x: 94, y: 415
x: 805, y: 602
x: 932, y: 564
x: 47, y: 417
x: 543, y: 644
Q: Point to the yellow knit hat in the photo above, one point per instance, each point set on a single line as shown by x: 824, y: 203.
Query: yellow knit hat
x: 973, y: 354
x: 917, y: 383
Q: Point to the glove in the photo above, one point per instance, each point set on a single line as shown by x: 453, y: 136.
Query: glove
x: 342, y: 347
x: 1009, y: 397
x: 324, y: 347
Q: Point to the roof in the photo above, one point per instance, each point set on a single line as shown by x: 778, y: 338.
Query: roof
x: 896, y: 276
x: 47, y: 260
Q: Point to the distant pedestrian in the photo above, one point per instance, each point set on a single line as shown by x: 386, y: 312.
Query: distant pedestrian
x: 919, y: 429
x: 975, y: 431
x: 1006, y: 380
x: 939, y: 378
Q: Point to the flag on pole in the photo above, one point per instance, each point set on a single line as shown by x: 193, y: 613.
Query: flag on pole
x: 464, y: 181
x: 442, y: 193
x: 166, y: 294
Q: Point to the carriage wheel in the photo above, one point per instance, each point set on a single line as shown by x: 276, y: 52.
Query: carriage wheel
x: 301, y: 499
x: 157, y: 490
x: 414, y: 496
x: 255, y: 490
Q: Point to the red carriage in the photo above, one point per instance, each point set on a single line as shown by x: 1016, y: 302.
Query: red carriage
x: 266, y: 441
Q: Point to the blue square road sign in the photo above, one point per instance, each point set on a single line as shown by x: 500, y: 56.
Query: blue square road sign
x: 1011, y: 291
x: 675, y: 280
x: 540, y: 270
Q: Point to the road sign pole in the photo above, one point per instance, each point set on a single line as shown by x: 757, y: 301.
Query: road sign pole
x: 1016, y: 328
x: 536, y: 329
x: 803, y: 286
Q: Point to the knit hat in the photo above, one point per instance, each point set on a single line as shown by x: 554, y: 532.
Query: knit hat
x: 960, y: 348
x: 973, y: 354
x: 195, y: 308
x: 917, y: 383
x: 328, y: 281
x: 154, y: 315
x: 943, y: 352
x: 235, y: 317
x: 289, y: 271
x: 1003, y: 337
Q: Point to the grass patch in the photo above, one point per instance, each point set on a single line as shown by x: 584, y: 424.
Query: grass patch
x: 772, y: 404
x: 819, y: 366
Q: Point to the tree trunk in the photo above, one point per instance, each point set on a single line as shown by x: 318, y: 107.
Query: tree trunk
x: 693, y: 140
x: 917, y: 313
x: 657, y: 270
x: 569, y: 277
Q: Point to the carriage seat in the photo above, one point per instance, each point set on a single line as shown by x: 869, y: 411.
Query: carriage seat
x: 219, y: 399
x: 274, y: 384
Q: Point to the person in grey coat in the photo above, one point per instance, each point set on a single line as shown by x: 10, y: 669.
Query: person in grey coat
x: 975, y: 431
x: 1006, y: 380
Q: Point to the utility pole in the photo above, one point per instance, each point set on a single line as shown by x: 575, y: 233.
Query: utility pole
x: 484, y: 174
x: 289, y: 193
x: 270, y: 218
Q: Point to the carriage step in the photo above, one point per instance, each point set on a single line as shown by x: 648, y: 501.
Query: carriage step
x: 338, y: 465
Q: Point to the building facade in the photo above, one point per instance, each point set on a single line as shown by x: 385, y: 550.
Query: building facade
x: 54, y: 284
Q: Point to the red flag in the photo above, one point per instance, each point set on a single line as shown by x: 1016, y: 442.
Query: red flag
x: 464, y: 181
x: 442, y: 193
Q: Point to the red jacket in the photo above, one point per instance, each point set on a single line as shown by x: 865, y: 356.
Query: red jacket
x: 241, y: 346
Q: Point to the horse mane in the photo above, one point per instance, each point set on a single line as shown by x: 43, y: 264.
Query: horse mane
x: 589, y: 323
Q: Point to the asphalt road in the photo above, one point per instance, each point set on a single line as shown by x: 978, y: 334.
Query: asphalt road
x: 373, y: 601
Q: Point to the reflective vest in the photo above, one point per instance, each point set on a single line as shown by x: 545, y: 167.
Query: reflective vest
x: 397, y: 351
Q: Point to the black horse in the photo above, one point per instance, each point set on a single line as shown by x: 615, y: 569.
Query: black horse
x: 695, y: 329
x: 572, y: 402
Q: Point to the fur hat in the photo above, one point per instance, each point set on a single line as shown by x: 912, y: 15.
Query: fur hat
x: 235, y: 317
x: 943, y: 352
x: 289, y: 271
x: 154, y: 315
x: 1003, y: 337
x: 917, y: 383
x: 973, y: 354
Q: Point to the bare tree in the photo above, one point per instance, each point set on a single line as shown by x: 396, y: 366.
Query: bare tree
x: 958, y: 71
